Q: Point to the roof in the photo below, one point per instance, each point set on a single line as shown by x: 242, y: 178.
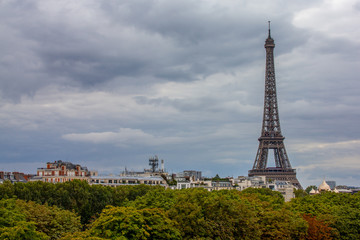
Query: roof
x: 324, y: 186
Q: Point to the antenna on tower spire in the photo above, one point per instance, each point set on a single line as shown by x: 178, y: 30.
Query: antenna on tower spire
x: 269, y: 29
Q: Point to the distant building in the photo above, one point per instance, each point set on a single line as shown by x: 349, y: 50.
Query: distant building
x: 187, y: 182
x: 332, y: 184
x: 12, y: 177
x: 195, y: 175
x: 152, y: 176
x: 221, y: 185
x: 153, y: 171
x: 183, y: 184
x: 326, y: 187
x: 286, y: 188
x: 60, y: 171
x: 126, y: 180
x: 344, y: 188
x: 243, y: 182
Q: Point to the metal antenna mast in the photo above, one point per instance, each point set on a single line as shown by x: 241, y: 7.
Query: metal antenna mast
x: 154, y: 163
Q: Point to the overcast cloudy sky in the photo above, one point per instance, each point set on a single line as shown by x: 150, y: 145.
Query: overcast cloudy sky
x: 108, y: 84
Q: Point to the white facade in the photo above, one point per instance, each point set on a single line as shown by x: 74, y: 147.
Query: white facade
x: 126, y: 180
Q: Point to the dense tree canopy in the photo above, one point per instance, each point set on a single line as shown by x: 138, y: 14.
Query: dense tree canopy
x: 77, y: 210
x: 88, y: 201
x: 341, y: 212
x: 28, y: 220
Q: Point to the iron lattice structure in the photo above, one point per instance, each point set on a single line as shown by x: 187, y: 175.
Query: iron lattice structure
x: 271, y: 137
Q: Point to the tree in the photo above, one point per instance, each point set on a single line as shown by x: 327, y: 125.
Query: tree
x: 266, y: 195
x: 300, y: 193
x: 80, y: 236
x: 308, y: 189
x: 228, y: 216
x: 318, y: 230
x: 52, y: 221
x: 131, y: 223
x: 340, y: 211
x: 281, y: 224
x: 13, y: 224
x: 216, y: 178
x: 6, y: 190
x: 157, y: 198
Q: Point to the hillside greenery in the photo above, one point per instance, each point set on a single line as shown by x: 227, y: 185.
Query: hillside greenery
x: 77, y: 210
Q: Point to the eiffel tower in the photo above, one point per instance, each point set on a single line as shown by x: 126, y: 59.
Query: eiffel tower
x: 271, y: 137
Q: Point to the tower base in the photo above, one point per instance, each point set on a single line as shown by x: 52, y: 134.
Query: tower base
x: 277, y: 174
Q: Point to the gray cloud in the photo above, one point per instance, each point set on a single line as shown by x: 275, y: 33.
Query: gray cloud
x: 111, y: 83
x: 96, y: 42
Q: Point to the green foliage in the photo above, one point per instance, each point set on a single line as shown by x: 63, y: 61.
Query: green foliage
x: 88, y: 201
x: 266, y: 195
x: 132, y: 223
x: 6, y: 190
x: 308, y: 189
x: 148, y: 212
x: 300, y: 193
x: 52, y: 221
x: 13, y: 224
x: 31, y: 219
x: 281, y: 224
x: 157, y: 198
x: 340, y: 211
x: 217, y: 178
x: 80, y: 236
x: 234, y: 215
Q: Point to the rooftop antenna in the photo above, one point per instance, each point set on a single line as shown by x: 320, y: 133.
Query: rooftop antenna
x: 154, y: 163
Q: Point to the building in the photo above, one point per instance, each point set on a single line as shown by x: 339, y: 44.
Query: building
x: 221, y: 185
x: 332, y: 184
x: 195, y: 175
x: 114, y: 181
x: 325, y: 187
x: 152, y: 176
x: 243, y: 182
x: 284, y: 187
x: 13, y: 177
x: 60, y: 171
x: 153, y: 171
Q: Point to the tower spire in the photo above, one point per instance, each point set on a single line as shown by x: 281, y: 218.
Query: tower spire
x: 269, y: 30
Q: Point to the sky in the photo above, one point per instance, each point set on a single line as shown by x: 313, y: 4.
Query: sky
x: 108, y: 84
